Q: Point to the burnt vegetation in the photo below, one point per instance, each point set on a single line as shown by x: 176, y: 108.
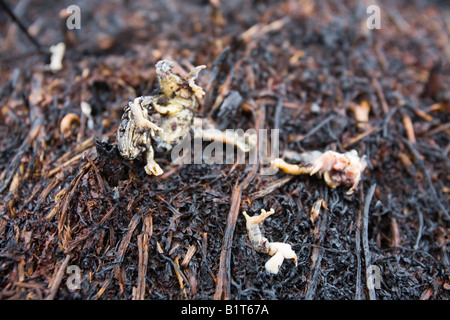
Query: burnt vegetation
x: 308, y: 68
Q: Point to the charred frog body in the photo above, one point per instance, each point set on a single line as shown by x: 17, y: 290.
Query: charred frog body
x: 160, y: 121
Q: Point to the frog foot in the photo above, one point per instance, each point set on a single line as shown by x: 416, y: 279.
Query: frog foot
x: 152, y: 168
x: 198, y: 91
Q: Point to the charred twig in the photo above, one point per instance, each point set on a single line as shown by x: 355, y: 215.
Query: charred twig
x: 270, y: 188
x: 108, y: 214
x: 176, y: 268
x: 361, y: 136
x: 395, y: 233
x: 21, y: 26
x: 127, y: 237
x: 407, y: 123
x: 105, y: 286
x: 176, y: 214
x: 258, y: 30
x: 365, y: 237
x: 142, y: 241
x: 71, y: 156
x: 36, y: 287
x: 316, y: 258
x: 222, y: 286
x: 438, y: 129
x: 68, y: 197
x: 181, y: 277
x: 387, y: 118
x: 58, y: 277
x: 100, y: 181
x: 419, y: 162
x: 358, y: 251
x: 189, y: 254
x: 223, y: 276
x: 419, y: 233
x: 37, y: 123
x: 316, y: 128
x: 380, y: 94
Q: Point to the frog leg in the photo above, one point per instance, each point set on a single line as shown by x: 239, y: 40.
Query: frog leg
x: 245, y: 143
x: 328, y: 180
x: 257, y: 219
x: 152, y: 168
x: 227, y: 137
x: 259, y: 242
x: 310, y: 169
x: 141, y: 121
x: 355, y: 184
x: 172, y: 107
x: 198, y: 91
x: 294, y: 169
x: 278, y: 250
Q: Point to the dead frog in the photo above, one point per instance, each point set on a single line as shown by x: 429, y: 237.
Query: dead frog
x: 336, y: 168
x: 162, y: 121
x: 278, y: 250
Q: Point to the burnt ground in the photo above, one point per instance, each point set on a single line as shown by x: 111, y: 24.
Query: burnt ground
x: 304, y: 67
